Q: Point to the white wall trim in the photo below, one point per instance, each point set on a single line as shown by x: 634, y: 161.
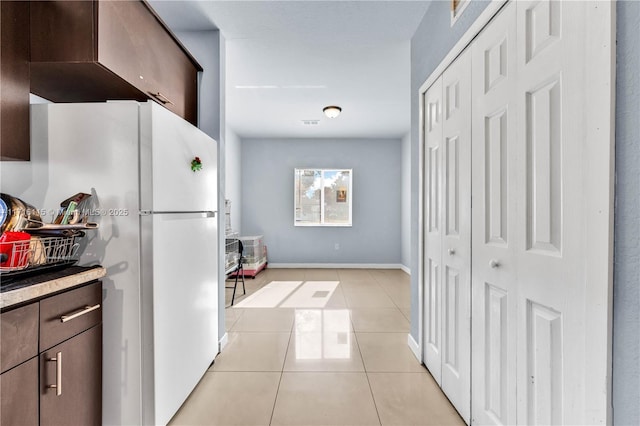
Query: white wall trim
x: 337, y: 266
x: 406, y: 269
x: 414, y: 346
x: 421, y: 219
x: 485, y: 17
x: 223, y: 342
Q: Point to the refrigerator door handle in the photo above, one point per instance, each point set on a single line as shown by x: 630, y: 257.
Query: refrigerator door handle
x: 207, y: 213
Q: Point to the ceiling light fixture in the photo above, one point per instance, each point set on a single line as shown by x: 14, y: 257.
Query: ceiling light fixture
x: 332, y: 111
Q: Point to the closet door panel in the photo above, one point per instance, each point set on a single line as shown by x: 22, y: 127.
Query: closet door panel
x: 456, y: 235
x: 508, y: 122
x: 552, y: 297
x: 432, y: 338
x: 494, y: 282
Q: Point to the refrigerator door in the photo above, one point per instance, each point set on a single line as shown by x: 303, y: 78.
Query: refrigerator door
x: 180, y: 275
x: 168, y: 146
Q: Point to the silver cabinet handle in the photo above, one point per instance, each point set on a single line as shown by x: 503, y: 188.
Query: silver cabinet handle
x: 58, y: 385
x: 451, y: 252
x: 160, y: 97
x: 494, y: 263
x: 85, y: 310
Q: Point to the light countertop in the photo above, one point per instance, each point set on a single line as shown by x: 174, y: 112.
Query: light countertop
x: 49, y: 283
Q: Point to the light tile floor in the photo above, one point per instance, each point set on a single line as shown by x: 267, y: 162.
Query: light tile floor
x: 318, y: 347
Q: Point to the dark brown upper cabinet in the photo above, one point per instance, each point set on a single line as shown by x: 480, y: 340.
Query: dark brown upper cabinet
x: 14, y: 80
x: 97, y: 50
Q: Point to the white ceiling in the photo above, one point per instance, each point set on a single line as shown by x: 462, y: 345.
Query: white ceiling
x: 286, y: 60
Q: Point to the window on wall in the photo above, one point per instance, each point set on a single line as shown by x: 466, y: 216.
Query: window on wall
x: 322, y: 197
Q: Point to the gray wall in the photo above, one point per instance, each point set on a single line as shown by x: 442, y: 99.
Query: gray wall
x: 405, y: 223
x: 267, y: 199
x: 233, y: 177
x: 204, y: 46
x: 433, y: 39
x: 626, y: 287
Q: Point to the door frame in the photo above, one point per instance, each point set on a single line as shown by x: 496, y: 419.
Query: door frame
x: 600, y: 119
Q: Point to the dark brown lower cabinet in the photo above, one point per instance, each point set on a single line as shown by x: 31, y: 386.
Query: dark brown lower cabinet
x: 19, y: 391
x: 51, y: 360
x: 71, y: 381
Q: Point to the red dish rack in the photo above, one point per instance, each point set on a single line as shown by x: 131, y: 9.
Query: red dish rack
x: 37, y: 252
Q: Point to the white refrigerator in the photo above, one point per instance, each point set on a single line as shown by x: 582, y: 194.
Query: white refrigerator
x: 157, y: 238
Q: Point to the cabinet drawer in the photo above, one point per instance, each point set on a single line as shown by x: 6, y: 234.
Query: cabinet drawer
x: 19, y: 336
x: 67, y: 314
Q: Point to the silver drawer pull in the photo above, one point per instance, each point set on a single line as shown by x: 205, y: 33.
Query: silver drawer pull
x: 160, y: 97
x: 58, y: 385
x: 85, y: 310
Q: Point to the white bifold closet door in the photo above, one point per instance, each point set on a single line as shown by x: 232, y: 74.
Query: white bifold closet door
x: 447, y: 331
x: 494, y: 221
x: 532, y: 305
x: 553, y: 302
x: 432, y: 329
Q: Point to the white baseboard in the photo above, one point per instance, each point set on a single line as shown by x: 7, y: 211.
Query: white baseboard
x: 406, y: 269
x: 337, y: 266
x: 415, y: 347
x: 223, y: 342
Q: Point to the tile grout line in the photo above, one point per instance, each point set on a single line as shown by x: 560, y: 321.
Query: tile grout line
x: 389, y: 296
x: 366, y: 370
x: 373, y: 397
x: 366, y: 374
x: 284, y: 361
x: 394, y: 302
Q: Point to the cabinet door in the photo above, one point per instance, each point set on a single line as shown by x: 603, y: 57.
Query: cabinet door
x: 14, y: 81
x: 93, y: 51
x: 49, y: 44
x: 64, y: 57
x: 74, y: 367
x: 19, y: 390
x: 134, y: 45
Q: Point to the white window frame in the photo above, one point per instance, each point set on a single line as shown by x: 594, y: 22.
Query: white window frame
x: 322, y: 215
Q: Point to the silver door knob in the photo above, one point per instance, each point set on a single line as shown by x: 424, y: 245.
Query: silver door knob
x: 451, y: 251
x: 494, y: 263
